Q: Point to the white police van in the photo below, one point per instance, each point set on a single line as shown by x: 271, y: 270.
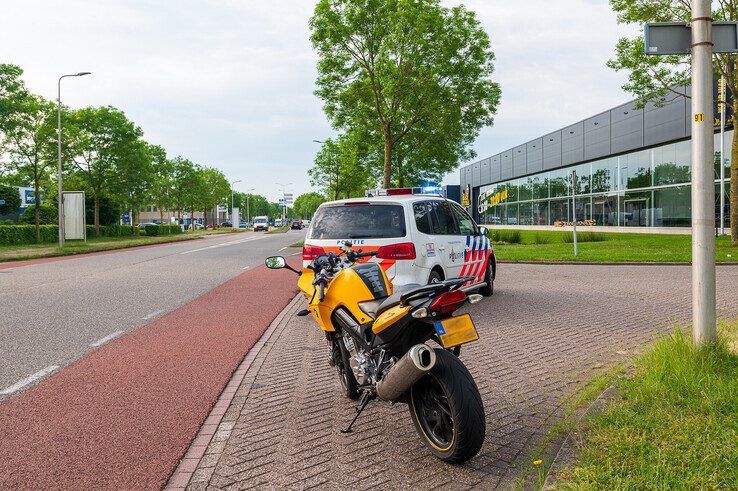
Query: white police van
x: 419, y: 238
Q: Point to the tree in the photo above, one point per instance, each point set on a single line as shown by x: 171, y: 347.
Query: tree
x: 101, y: 139
x: 658, y: 78
x: 134, y: 171
x: 108, y: 212
x: 162, y: 180
x: 11, y: 197
x: 401, y: 67
x: 216, y: 191
x: 306, y: 204
x: 189, y: 184
x: 343, y: 168
x: 44, y: 214
x: 28, y: 132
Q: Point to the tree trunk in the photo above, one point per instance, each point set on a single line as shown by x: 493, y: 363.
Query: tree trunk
x: 387, y: 157
x: 161, y: 215
x: 37, y: 211
x: 400, y: 177
x: 96, y: 219
x: 734, y: 181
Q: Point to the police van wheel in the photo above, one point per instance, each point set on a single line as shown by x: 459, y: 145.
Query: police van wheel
x: 434, y: 277
x: 489, y: 278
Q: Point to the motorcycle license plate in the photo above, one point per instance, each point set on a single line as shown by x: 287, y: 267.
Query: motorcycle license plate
x: 455, y: 331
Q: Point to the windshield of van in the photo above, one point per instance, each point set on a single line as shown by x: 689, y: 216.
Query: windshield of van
x: 259, y: 220
x: 358, y: 222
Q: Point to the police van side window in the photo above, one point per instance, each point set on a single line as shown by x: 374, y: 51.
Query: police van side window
x: 442, y: 223
x: 422, y: 217
x: 464, y: 222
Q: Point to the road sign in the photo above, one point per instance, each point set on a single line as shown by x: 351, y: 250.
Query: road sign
x: 287, y: 199
x: 675, y: 38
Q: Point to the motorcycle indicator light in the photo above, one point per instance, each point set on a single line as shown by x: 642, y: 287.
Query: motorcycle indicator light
x: 420, y: 313
x: 405, y: 250
x: 447, y: 302
x: 309, y: 252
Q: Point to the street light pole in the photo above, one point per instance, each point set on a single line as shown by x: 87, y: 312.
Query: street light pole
x: 703, y: 187
x: 59, y: 198
x: 248, y: 217
x: 232, y: 183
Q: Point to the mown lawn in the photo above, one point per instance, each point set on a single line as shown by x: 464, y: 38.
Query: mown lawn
x: 675, y: 426
x: 34, y: 251
x: 616, y: 247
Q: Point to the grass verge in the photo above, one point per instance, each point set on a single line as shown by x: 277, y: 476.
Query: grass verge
x: 278, y: 230
x: 537, y: 245
x: 675, y: 426
x: 72, y: 247
x: 298, y: 244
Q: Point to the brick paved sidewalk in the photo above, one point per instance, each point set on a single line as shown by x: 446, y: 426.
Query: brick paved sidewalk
x: 546, y: 329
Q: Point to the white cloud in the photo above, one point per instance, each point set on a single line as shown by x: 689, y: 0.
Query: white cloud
x: 229, y: 83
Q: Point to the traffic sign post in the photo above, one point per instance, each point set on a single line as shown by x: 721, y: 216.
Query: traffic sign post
x: 698, y: 38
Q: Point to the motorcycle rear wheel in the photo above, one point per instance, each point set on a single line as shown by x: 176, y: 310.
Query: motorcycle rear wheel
x: 447, y: 410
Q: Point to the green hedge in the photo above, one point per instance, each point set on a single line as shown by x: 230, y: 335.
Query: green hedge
x: 153, y: 229
x: 26, y: 234
x: 509, y: 236
x: 111, y: 231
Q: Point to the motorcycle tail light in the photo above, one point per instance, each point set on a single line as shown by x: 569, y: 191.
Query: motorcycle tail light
x: 406, y: 250
x: 447, y: 302
x: 309, y: 252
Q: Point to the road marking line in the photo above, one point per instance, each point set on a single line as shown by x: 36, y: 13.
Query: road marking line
x: 153, y: 314
x: 107, y: 338
x: 22, y: 383
x: 245, y: 267
x: 283, y: 248
x: 250, y: 239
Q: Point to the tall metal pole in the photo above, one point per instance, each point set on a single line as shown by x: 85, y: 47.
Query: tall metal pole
x: 59, y: 197
x: 723, y: 97
x: 703, y: 187
x: 574, y: 209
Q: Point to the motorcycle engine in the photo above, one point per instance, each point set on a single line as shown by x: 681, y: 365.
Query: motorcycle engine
x: 361, y: 365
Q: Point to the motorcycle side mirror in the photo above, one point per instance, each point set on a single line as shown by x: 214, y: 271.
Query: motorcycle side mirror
x: 275, y: 262
x: 278, y: 262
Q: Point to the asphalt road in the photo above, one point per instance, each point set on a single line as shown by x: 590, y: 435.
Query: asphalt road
x: 55, y: 312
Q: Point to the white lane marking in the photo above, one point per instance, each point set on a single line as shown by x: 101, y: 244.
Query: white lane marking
x: 283, y: 248
x: 232, y: 242
x: 22, y: 383
x: 245, y: 267
x: 107, y: 338
x: 153, y: 314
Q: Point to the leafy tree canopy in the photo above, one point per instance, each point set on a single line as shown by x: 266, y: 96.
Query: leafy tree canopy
x: 306, y: 204
x: 405, y: 70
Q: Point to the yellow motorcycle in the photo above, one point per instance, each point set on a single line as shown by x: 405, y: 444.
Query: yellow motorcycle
x: 378, y: 335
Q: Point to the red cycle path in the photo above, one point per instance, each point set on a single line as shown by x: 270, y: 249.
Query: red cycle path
x: 122, y: 416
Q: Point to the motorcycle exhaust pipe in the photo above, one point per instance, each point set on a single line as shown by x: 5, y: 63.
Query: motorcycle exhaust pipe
x: 408, y: 370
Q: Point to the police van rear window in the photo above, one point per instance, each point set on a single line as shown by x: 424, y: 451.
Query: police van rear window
x: 358, y: 222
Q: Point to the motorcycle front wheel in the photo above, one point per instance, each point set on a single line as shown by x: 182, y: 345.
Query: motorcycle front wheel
x: 447, y: 410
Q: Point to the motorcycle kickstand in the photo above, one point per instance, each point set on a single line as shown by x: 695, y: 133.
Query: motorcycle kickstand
x: 364, y: 401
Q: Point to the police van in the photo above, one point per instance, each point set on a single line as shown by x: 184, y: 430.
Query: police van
x: 420, y: 239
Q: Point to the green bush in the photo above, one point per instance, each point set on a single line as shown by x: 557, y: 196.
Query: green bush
x: 110, y: 230
x: 26, y: 234
x: 152, y: 229
x: 47, y: 215
x: 584, y: 237
x: 167, y: 229
x: 541, y: 238
x: 12, y: 199
x: 508, y: 236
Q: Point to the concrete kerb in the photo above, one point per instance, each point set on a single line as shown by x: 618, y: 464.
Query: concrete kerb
x: 567, y: 452
x: 213, y: 426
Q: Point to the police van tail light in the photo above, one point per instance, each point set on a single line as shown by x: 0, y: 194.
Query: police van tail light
x: 309, y: 252
x: 406, y: 250
x: 447, y: 302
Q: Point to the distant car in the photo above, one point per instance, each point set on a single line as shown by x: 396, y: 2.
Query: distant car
x: 143, y: 225
x: 278, y: 222
x: 244, y: 224
x: 305, y: 222
x: 296, y: 225
x: 261, y: 223
x: 226, y: 224
x: 197, y: 226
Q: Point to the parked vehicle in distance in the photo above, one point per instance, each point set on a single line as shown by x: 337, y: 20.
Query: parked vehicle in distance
x: 296, y: 225
x: 261, y: 224
x: 143, y: 225
x: 244, y: 224
x: 305, y: 222
x: 226, y: 224
x: 419, y: 239
x: 278, y: 222
x: 197, y: 226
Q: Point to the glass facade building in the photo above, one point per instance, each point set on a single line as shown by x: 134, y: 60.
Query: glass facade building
x: 633, y: 169
x: 645, y: 188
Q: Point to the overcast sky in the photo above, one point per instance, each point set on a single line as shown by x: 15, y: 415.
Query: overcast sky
x: 230, y: 83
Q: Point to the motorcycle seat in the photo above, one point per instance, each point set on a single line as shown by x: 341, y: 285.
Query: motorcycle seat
x: 374, y: 308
